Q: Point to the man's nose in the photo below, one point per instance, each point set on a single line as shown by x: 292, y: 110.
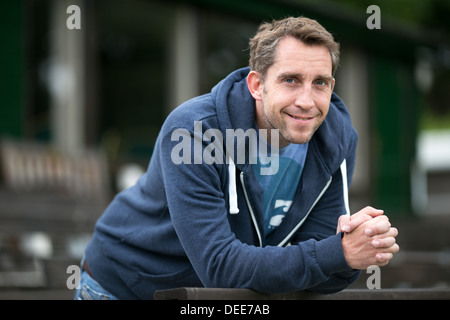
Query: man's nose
x: 304, y: 98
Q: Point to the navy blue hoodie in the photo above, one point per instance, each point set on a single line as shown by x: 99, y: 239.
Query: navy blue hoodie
x: 174, y: 228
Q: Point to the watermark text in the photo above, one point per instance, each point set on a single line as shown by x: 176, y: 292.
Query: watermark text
x: 208, y: 147
x: 374, y: 20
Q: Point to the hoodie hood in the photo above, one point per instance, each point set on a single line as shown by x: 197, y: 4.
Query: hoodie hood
x: 234, y: 104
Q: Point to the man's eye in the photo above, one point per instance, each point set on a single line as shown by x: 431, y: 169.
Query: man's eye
x: 321, y: 82
x: 290, y: 80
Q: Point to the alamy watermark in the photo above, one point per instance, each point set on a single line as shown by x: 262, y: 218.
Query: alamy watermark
x: 374, y: 281
x: 249, y: 145
x: 73, y: 280
x: 74, y: 20
x: 235, y: 146
x: 374, y: 20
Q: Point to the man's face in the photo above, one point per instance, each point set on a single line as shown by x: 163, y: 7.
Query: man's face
x: 295, y: 94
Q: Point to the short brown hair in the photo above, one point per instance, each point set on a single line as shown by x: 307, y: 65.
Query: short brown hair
x: 264, y: 44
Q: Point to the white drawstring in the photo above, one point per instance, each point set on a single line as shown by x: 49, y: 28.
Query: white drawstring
x: 232, y: 187
x: 345, y: 186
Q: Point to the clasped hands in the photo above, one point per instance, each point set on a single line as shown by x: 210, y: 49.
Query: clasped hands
x: 368, y: 238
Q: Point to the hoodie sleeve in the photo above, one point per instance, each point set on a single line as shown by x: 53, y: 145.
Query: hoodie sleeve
x: 198, y: 211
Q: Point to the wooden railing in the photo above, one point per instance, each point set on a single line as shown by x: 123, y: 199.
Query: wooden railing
x: 349, y: 294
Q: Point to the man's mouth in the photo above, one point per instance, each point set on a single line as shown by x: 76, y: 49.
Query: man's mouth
x: 300, y: 118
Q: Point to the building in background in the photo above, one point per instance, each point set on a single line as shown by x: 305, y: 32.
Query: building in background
x: 108, y: 86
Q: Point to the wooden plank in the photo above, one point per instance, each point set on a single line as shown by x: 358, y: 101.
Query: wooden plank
x: 187, y: 293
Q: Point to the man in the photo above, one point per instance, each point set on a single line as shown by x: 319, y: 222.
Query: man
x: 211, y: 212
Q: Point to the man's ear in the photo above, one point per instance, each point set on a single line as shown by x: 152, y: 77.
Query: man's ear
x: 254, y: 84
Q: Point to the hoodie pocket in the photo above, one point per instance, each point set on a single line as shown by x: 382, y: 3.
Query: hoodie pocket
x: 144, y: 285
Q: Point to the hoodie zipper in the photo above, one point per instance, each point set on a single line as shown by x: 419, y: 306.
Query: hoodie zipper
x: 286, y: 239
x: 252, y: 214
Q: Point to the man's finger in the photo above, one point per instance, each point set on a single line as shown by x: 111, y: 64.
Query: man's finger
x: 383, y: 258
x: 360, y: 217
x: 383, y: 242
x: 371, y: 211
x: 377, y: 225
x: 343, y: 223
x: 392, y: 232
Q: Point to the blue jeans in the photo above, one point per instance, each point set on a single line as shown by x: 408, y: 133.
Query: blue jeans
x: 91, y: 289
